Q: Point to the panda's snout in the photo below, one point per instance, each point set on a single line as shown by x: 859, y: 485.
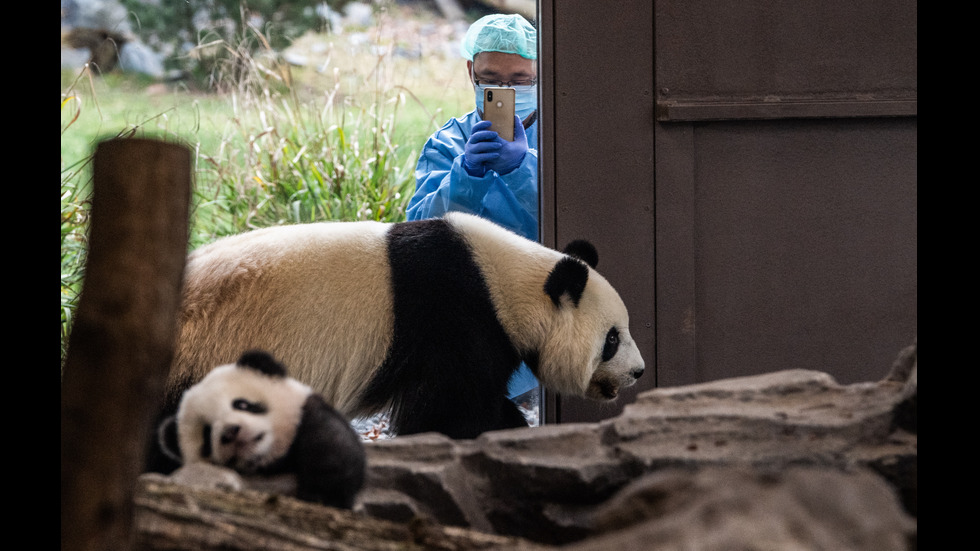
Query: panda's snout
x: 229, y: 433
x: 637, y: 373
x: 233, y: 433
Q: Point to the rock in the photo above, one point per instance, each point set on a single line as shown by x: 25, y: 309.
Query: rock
x: 136, y: 57
x: 549, y: 484
x: 108, y: 15
x: 419, y: 476
x: 780, y: 417
x: 102, y: 30
x: 729, y: 508
x: 785, y: 460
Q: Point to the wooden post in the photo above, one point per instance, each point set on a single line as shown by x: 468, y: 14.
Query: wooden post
x: 122, y: 340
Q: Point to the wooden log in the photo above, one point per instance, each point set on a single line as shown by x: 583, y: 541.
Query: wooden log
x: 122, y: 340
x: 171, y: 516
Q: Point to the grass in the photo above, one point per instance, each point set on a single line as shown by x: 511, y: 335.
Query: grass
x: 336, y: 139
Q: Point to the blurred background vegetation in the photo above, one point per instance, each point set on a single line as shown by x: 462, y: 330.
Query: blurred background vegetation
x: 293, y: 115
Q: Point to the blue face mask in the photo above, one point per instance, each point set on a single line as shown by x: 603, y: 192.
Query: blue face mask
x: 525, y: 98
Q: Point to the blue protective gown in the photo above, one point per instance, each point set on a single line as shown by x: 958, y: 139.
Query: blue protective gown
x: 510, y: 200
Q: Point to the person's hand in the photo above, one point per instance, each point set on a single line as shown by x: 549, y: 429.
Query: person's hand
x: 482, y: 148
x: 512, y: 153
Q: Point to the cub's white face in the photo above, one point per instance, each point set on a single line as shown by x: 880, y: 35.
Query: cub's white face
x: 239, y: 418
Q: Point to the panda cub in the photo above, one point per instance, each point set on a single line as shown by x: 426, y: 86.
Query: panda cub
x: 251, y: 417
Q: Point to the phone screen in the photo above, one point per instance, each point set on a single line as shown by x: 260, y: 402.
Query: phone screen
x: 498, y: 108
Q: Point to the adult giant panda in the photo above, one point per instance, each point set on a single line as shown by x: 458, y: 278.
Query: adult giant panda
x: 251, y: 417
x: 429, y: 318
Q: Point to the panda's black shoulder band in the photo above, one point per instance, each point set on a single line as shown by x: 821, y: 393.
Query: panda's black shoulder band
x: 262, y: 362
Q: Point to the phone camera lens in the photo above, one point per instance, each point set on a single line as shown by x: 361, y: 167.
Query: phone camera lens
x: 490, y: 95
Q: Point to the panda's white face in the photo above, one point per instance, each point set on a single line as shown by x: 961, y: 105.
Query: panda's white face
x: 239, y: 418
x: 589, y: 351
x: 617, y: 363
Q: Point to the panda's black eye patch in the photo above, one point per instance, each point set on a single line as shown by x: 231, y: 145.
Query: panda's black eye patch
x: 612, y: 344
x: 206, y: 441
x: 241, y: 404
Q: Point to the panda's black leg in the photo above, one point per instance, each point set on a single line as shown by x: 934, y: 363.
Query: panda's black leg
x: 330, y: 460
x: 456, y: 417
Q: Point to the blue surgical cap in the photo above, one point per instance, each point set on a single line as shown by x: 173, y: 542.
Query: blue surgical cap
x: 511, y: 34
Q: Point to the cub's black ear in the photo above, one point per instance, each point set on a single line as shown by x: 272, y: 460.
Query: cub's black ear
x: 167, y: 439
x: 263, y: 362
x: 568, y: 276
x: 584, y: 251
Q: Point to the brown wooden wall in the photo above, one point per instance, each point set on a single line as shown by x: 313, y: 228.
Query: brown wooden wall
x: 747, y: 171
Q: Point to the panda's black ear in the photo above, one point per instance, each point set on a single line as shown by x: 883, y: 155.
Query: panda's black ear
x: 568, y: 276
x: 263, y: 362
x: 584, y: 251
x: 167, y: 439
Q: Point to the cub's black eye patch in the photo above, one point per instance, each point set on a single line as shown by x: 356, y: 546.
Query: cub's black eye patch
x: 206, y: 441
x: 612, y: 344
x: 241, y: 404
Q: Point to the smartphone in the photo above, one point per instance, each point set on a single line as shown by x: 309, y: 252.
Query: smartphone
x: 498, y: 108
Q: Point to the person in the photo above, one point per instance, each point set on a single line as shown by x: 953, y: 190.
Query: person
x: 464, y: 166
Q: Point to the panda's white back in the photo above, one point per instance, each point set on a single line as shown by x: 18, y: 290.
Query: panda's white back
x: 253, y: 291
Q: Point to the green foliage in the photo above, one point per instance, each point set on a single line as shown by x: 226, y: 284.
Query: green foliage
x: 287, y: 161
x: 74, y: 218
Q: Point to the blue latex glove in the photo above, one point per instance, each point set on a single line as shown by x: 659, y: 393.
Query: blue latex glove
x: 511, y: 153
x: 482, y: 147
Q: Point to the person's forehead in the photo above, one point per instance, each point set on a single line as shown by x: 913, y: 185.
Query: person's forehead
x: 503, y: 63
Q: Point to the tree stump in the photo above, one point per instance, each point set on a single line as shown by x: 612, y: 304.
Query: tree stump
x: 122, y: 340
